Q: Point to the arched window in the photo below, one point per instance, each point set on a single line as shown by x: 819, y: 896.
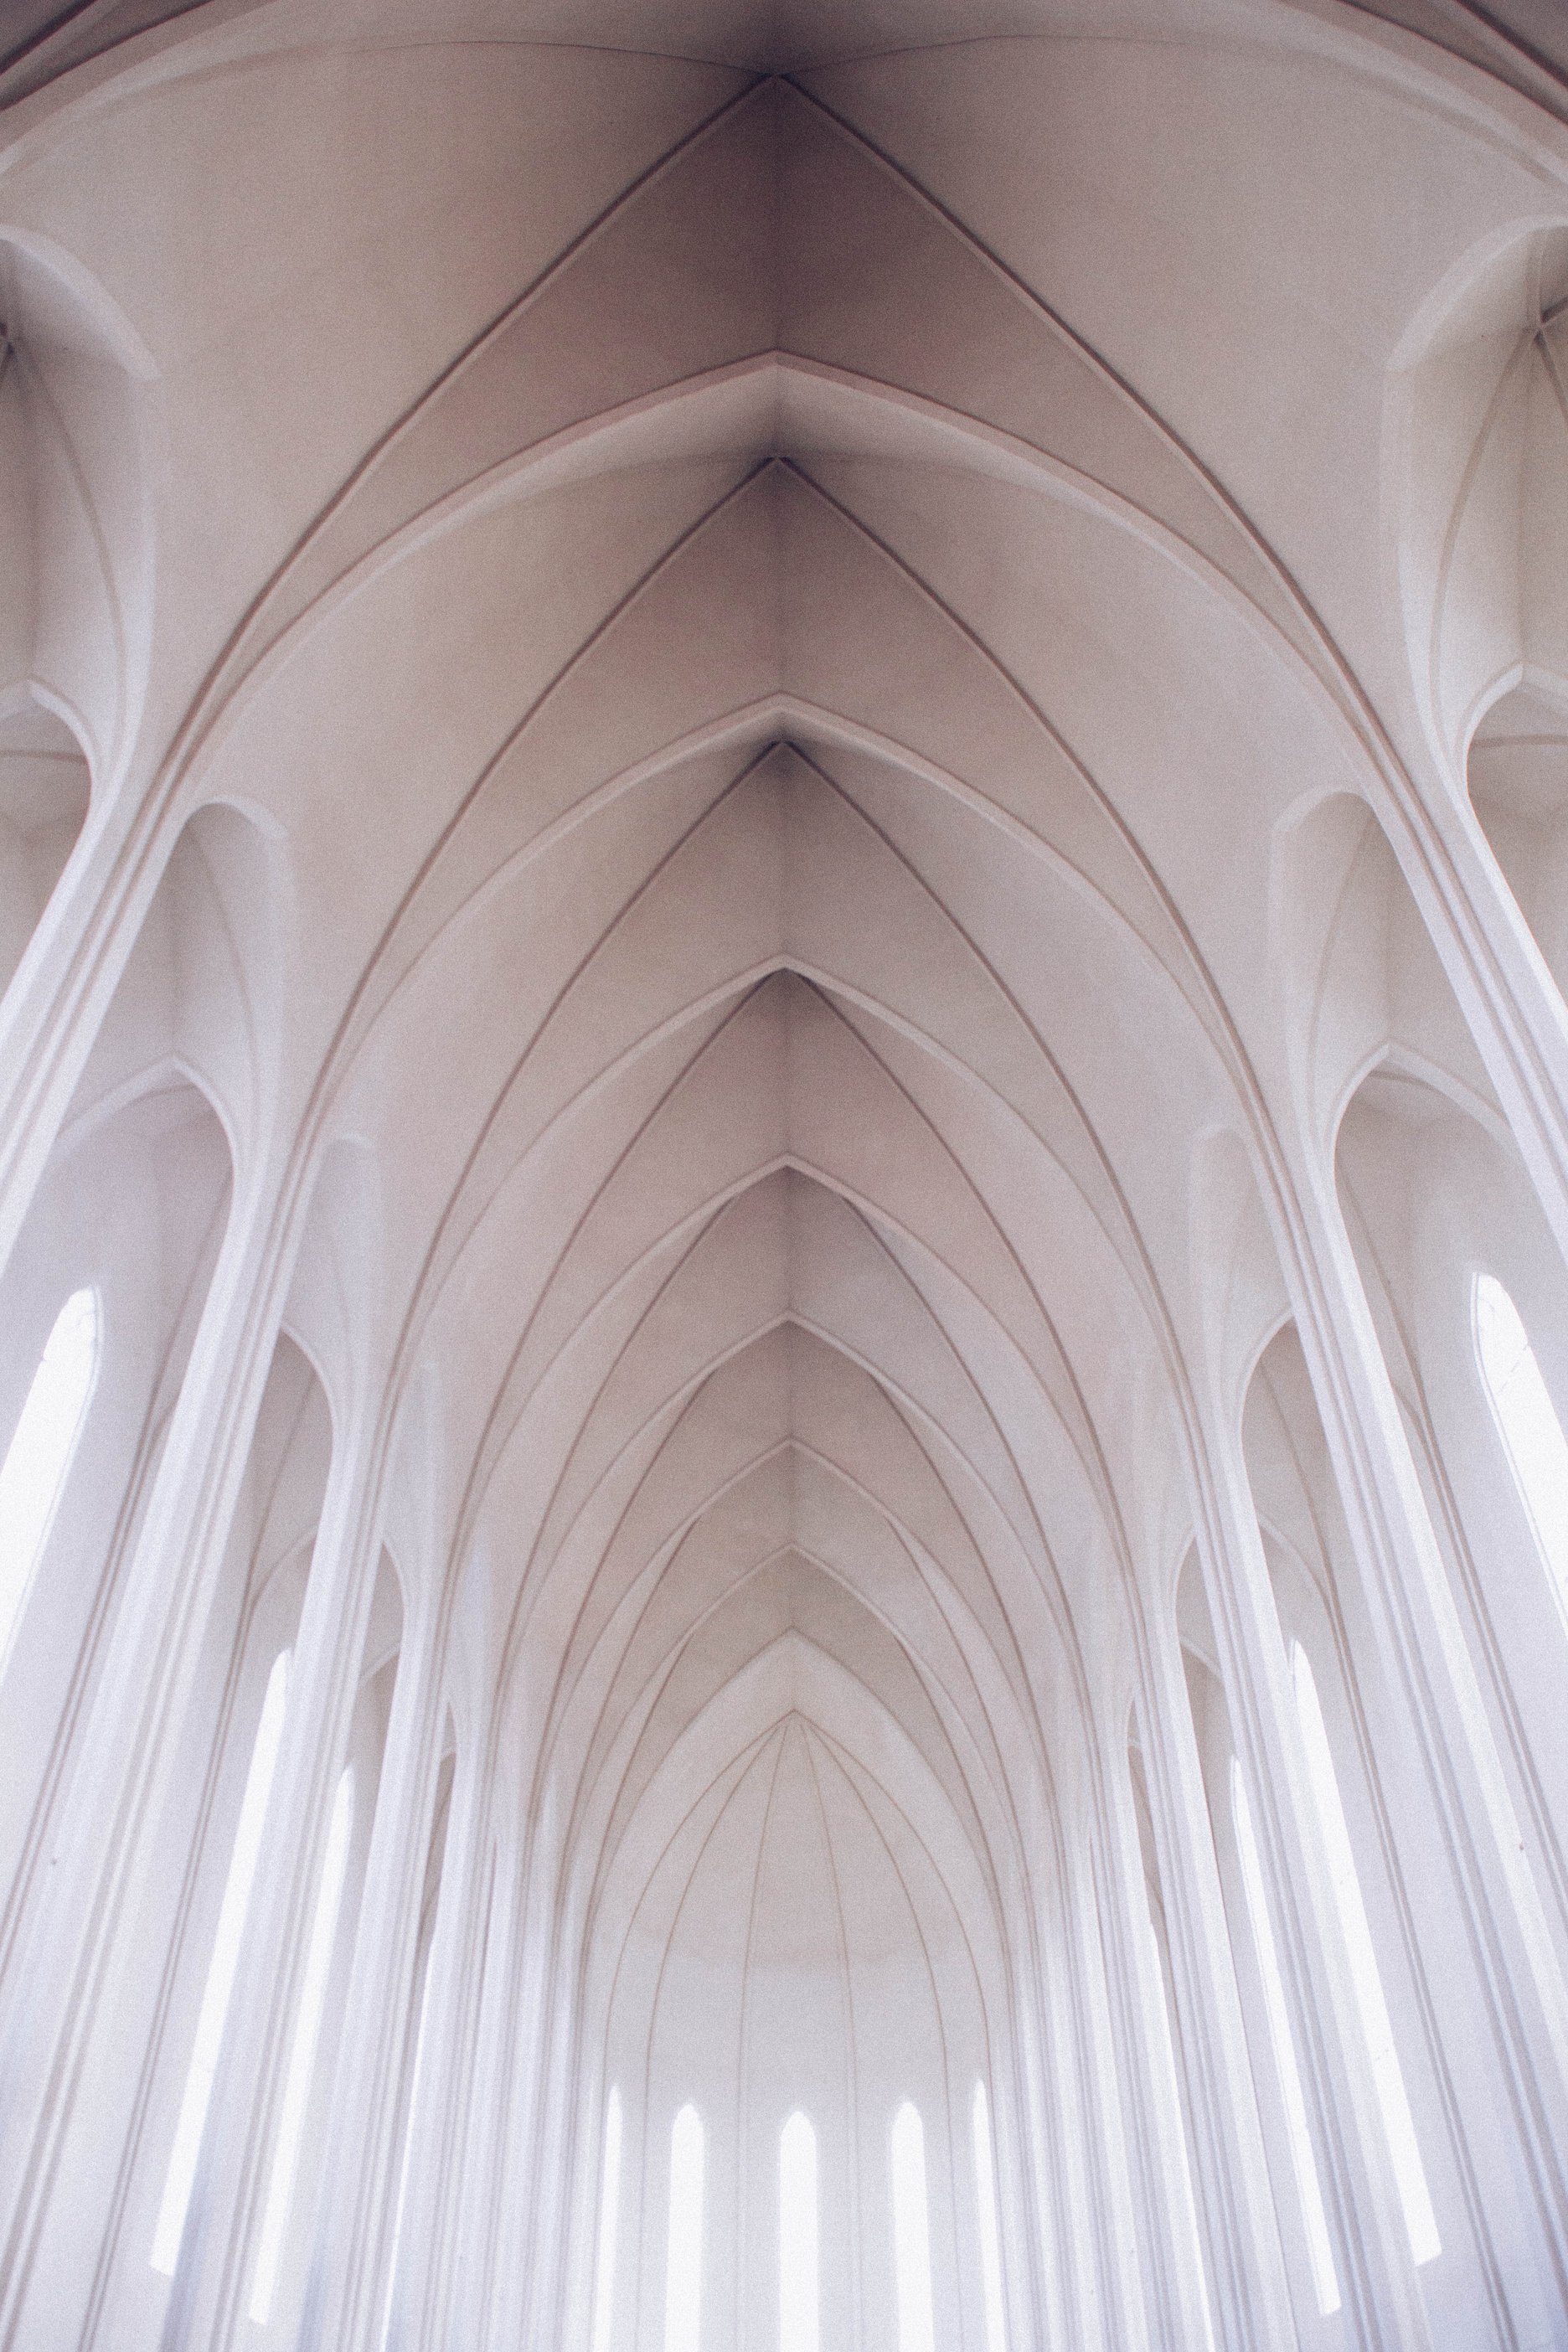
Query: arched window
x: 302, y: 2057
x: 1303, y: 2162
x: 911, y: 2232
x: 1398, y: 2121
x: 1527, y: 1422
x: 221, y: 1970
x: 799, y: 2305
x: 989, y: 2231
x: 683, y: 2266
x: 609, y: 2226
x: 33, y: 1476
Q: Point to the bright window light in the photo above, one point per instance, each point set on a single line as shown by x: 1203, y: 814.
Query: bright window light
x: 1398, y: 2121
x: 799, y: 2308
x: 609, y: 2226
x: 683, y: 2267
x: 1314, y: 2221
x: 1528, y: 1424
x: 302, y: 2058
x: 911, y: 2232
x: 1166, y: 2060
x: 225, y: 1961
x: 990, y: 2235
x: 33, y: 1476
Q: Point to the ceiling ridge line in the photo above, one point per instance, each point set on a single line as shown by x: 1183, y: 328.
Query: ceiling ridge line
x: 882, y: 1509
x: 669, y: 1550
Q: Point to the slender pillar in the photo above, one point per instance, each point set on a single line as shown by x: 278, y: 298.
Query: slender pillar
x: 556, y: 2079
x: 466, y: 2094
x: 1381, y: 2299
x: 67, y: 1957
x: 1249, y: 2292
x: 479, y: 2216
x: 1043, y: 2222
x: 1175, y: 2288
x: 432, y: 2120
x: 1090, y: 2322
x: 345, y: 2286
x: 511, y: 2289
x: 1117, y: 2225
x: 1416, y: 1625
x: 209, y: 2301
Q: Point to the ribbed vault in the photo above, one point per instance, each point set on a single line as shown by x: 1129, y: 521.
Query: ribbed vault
x: 786, y: 935
x: 709, y: 725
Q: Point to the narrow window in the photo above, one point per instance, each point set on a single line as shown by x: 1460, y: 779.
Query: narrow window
x: 1528, y: 1424
x: 911, y: 2232
x: 33, y: 1476
x: 609, y: 2226
x: 798, y: 2293
x: 1314, y: 2221
x: 1398, y: 2121
x: 683, y: 2271
x: 990, y: 2237
x: 225, y: 1961
x: 302, y: 2058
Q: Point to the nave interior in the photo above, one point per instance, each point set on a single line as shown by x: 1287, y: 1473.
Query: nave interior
x: 783, y: 1176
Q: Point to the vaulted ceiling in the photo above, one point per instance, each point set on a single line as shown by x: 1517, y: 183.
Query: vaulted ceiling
x: 765, y: 633
x: 1523, y: 42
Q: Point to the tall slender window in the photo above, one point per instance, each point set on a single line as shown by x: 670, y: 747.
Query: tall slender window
x: 683, y: 2266
x: 1398, y: 2121
x: 911, y: 2232
x: 1309, y: 2190
x: 990, y: 2232
x: 33, y: 1476
x: 221, y: 1970
x: 302, y: 2058
x: 1527, y: 1422
x: 609, y: 2226
x: 799, y: 2304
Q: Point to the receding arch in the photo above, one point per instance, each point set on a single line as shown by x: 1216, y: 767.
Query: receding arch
x: 1516, y: 771
x: 1485, y: 461
x: 44, y: 787
x: 75, y: 615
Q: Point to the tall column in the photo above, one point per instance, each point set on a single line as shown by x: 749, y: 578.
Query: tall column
x: 208, y: 2302
x: 432, y: 2123
x: 1014, y: 2185
x: 1176, y: 2295
x: 1043, y: 2222
x: 67, y: 1956
x: 479, y: 2214
x: 467, y: 2102
x: 1382, y: 2300
x: 1426, y: 1660
x: 552, y: 2138
x: 346, y: 2286
x: 1116, y: 2235
x: 512, y: 2311
x: 1090, y: 2326
x: 1249, y: 2293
